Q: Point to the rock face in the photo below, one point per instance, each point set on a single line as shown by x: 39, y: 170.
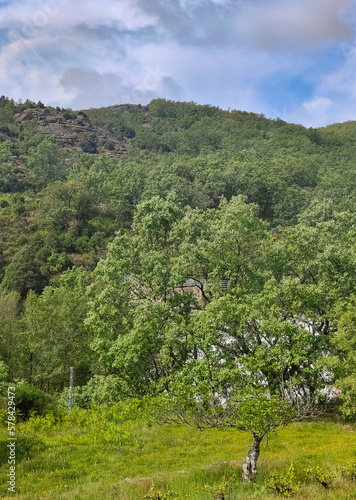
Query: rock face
x: 69, y: 129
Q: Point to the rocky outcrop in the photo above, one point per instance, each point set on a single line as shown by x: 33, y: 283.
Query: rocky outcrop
x: 70, y: 128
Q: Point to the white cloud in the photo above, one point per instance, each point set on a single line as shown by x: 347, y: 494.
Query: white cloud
x: 64, y: 14
x: 316, y: 112
x: 280, y: 24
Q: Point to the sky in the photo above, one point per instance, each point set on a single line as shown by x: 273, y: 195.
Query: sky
x: 292, y: 59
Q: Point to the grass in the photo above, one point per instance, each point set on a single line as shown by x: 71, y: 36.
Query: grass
x: 89, y: 456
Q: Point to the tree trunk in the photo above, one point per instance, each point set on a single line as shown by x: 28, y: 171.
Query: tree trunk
x: 249, y: 467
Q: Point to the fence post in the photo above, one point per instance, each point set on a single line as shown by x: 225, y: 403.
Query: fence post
x: 71, y: 392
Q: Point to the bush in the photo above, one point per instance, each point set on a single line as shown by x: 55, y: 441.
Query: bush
x: 218, y: 490
x: 109, y: 145
x: 30, y: 399
x: 99, y: 390
x: 89, y: 144
x: 284, y: 483
x: 69, y: 115
x: 155, y: 494
x: 348, y: 471
x: 324, y: 478
x: 5, y: 130
x: 127, y: 132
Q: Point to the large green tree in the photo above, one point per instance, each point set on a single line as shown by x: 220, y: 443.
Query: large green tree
x: 215, y: 284
x: 137, y: 315
x: 144, y: 311
x: 53, y: 335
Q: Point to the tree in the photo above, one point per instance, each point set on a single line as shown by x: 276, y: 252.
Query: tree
x: 200, y: 405
x: 277, y: 316
x: 136, y: 314
x: 7, y: 175
x: 10, y: 347
x: 24, y: 274
x: 146, y: 319
x: 343, y: 363
x: 53, y: 335
x: 69, y: 206
x: 254, y: 302
x: 46, y: 161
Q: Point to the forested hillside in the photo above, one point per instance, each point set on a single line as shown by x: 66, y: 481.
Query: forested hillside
x: 179, y: 249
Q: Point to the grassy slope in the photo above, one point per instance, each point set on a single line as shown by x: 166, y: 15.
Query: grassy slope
x: 91, y: 460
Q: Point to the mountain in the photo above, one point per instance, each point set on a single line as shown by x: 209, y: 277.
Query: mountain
x: 70, y: 179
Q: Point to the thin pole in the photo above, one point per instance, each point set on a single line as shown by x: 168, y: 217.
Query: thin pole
x: 71, y: 392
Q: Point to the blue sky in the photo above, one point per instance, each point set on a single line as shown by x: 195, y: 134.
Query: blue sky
x: 293, y: 59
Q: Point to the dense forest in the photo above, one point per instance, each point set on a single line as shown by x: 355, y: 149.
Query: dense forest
x: 176, y: 248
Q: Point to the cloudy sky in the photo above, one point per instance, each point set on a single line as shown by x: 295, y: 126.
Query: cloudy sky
x: 295, y: 59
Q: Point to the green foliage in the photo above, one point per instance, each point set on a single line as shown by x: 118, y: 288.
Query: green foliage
x: 31, y: 143
x: 89, y: 144
x: 30, y: 400
x: 196, y: 404
x: 348, y: 471
x: 137, y: 271
x: 219, y: 489
x: 343, y: 363
x: 53, y: 336
x: 155, y: 494
x: 96, y: 421
x: 7, y: 109
x: 46, y: 161
x: 9, y: 311
x: 4, y: 377
x: 284, y: 483
x: 68, y: 114
x: 7, y: 173
x: 24, y: 274
x: 321, y: 476
x: 99, y: 390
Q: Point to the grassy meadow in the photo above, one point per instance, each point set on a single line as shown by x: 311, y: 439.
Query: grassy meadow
x: 91, y: 454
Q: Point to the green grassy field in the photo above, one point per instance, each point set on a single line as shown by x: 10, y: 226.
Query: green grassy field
x: 90, y: 456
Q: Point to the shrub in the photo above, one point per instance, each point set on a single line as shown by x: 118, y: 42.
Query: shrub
x: 109, y: 145
x: 284, y: 483
x: 218, y: 490
x: 89, y: 144
x: 68, y: 115
x: 5, y: 130
x: 154, y: 494
x: 127, y: 132
x: 30, y: 400
x: 348, y: 471
x: 324, y: 478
